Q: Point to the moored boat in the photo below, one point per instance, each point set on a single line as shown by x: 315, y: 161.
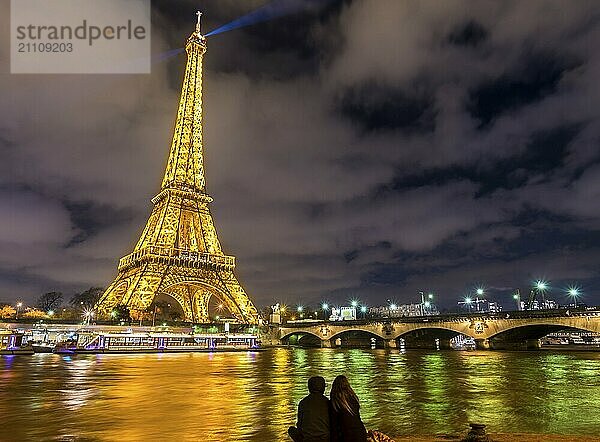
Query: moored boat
x: 43, y: 340
x: 154, y: 342
x: 43, y: 347
x: 13, y: 342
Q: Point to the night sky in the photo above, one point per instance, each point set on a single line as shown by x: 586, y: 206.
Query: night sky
x: 356, y: 149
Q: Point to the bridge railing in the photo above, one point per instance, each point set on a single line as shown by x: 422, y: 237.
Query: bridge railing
x: 461, y: 317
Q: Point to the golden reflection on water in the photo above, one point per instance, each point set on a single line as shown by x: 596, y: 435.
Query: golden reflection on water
x: 253, y: 396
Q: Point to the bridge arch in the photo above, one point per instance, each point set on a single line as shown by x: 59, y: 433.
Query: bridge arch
x: 299, y: 331
x: 527, y: 336
x: 429, y: 327
x: 335, y: 334
x: 429, y: 336
x: 357, y: 337
x: 303, y: 337
x: 547, y: 327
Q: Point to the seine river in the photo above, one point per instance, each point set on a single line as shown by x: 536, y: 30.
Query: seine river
x: 253, y: 396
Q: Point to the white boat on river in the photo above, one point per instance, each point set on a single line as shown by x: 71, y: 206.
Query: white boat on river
x: 154, y: 342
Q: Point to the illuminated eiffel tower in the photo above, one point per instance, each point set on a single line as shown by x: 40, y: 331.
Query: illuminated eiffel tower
x: 178, y: 253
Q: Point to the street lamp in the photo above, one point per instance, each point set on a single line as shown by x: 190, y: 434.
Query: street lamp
x: 19, y: 305
x: 425, y: 306
x: 363, y: 310
x: 393, y: 306
x: 468, y: 302
x: 88, y: 314
x: 300, y: 308
x: 354, y: 303
x: 478, y: 292
x: 574, y: 292
x: 517, y: 298
x: 426, y: 301
x: 540, y: 288
x: 325, y: 308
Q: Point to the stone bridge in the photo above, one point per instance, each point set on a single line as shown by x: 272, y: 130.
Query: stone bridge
x: 513, y: 330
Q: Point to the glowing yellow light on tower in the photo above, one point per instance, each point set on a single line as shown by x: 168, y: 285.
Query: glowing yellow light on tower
x: 179, y: 250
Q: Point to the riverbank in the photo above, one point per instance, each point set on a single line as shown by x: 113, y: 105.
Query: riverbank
x: 520, y: 437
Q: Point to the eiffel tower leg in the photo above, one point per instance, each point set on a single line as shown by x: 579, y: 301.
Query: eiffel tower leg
x: 201, y: 300
x: 142, y: 292
x: 188, y: 295
x: 113, y: 296
x: 134, y: 289
x: 237, y: 300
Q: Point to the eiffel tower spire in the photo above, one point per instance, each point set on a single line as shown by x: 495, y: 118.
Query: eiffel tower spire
x: 185, y: 169
x: 178, y: 253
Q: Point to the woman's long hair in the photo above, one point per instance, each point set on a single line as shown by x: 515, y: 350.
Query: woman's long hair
x: 342, y: 395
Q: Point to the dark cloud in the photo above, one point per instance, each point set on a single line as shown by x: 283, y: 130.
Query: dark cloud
x: 468, y: 34
x: 91, y: 218
x: 364, y: 149
x: 534, y: 77
x: 373, y: 106
x: 546, y: 151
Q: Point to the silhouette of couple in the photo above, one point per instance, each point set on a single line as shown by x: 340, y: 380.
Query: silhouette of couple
x: 331, y: 420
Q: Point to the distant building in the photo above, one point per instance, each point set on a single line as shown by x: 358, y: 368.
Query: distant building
x: 343, y: 314
x: 403, y: 310
x: 494, y: 307
x: 547, y: 304
x: 481, y: 305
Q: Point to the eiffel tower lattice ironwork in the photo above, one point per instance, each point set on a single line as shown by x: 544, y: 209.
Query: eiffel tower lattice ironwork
x: 178, y: 253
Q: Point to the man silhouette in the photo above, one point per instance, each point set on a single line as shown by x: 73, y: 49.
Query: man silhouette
x: 313, y: 414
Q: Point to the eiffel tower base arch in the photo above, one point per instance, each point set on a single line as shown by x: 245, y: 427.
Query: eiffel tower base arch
x: 191, y: 290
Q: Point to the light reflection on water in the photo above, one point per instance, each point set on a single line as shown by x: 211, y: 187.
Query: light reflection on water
x: 253, y: 396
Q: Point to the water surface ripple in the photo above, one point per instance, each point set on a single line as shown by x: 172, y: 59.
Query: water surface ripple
x: 253, y: 396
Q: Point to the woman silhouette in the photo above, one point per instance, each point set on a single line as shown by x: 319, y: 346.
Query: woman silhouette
x: 346, y: 425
